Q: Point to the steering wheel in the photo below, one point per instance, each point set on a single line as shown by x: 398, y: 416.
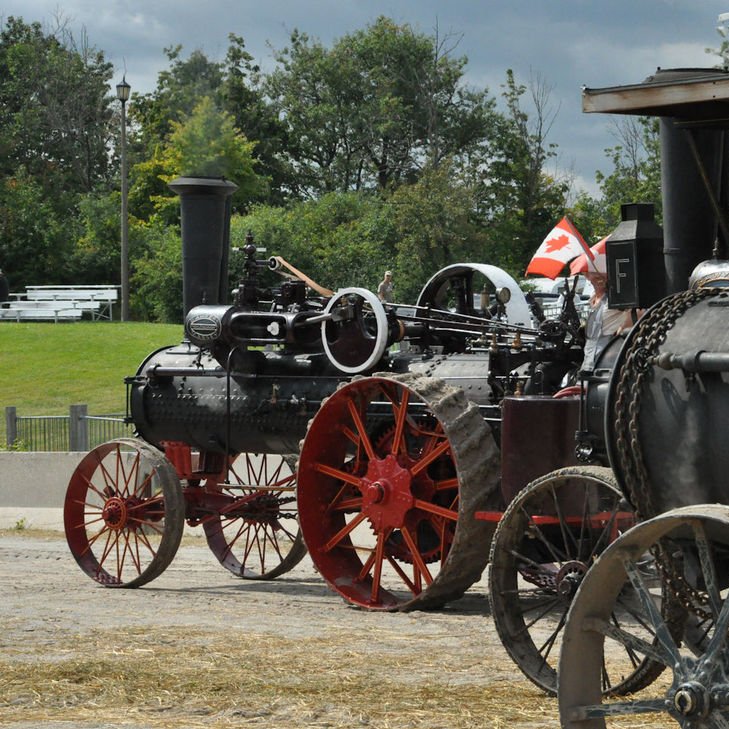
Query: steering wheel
x: 355, y: 337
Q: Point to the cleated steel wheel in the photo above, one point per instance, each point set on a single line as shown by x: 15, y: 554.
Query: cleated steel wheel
x: 256, y: 534
x: 545, y: 543
x: 124, y: 513
x: 690, y: 546
x: 391, y: 473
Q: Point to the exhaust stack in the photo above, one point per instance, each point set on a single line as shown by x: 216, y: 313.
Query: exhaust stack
x: 205, y: 205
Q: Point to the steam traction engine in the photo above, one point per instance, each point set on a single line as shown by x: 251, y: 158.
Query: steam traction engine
x: 420, y: 424
x: 666, y: 408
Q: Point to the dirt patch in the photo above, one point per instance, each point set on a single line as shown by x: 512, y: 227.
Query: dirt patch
x: 200, y: 648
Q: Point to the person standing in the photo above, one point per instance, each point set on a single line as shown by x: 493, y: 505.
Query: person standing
x: 4, y: 287
x: 384, y: 290
x: 602, y: 323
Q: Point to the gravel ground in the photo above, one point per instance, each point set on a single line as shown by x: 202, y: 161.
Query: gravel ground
x: 306, y: 659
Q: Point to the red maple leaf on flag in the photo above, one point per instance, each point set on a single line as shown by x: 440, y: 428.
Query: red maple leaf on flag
x: 558, y: 243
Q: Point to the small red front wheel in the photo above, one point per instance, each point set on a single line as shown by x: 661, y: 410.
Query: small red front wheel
x: 124, y: 513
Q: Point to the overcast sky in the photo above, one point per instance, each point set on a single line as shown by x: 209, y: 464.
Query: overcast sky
x: 569, y: 43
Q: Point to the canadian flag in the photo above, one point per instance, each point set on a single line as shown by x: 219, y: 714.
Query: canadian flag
x: 562, y: 244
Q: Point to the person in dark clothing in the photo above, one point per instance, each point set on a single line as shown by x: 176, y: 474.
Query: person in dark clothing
x: 4, y: 287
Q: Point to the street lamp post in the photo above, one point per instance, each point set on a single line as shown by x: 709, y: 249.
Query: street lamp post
x: 123, y: 90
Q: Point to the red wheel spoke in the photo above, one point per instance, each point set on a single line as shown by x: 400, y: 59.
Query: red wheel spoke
x: 147, y: 543
x: 437, y: 510
x: 337, y: 473
x: 431, y: 456
x: 127, y: 549
x: 231, y: 542
x: 131, y: 477
x: 359, y: 425
x: 415, y: 589
x: 272, y: 537
x: 348, y: 504
x: 140, y: 488
x: 93, y: 538
x: 111, y: 539
x: 417, y: 559
x: 379, y: 558
x: 94, y: 488
x: 366, y: 566
x: 350, y: 434
x: 342, y: 533
x: 151, y: 524
x: 253, y: 476
x: 401, y: 411
x: 446, y: 484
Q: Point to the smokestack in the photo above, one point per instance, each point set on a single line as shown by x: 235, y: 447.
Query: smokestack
x: 205, y: 204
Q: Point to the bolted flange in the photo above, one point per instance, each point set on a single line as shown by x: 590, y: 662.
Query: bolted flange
x: 115, y: 513
x: 386, y: 493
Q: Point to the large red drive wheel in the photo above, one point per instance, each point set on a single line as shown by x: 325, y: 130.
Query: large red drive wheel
x: 391, y: 473
x: 124, y: 513
x: 256, y: 536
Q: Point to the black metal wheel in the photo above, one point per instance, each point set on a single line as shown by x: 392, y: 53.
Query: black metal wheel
x: 546, y: 541
x: 690, y: 546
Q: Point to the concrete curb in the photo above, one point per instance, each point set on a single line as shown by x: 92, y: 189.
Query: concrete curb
x: 33, y: 486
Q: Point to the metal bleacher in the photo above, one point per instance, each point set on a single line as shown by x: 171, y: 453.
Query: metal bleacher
x: 60, y: 303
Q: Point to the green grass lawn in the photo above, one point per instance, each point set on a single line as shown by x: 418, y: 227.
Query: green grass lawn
x: 44, y: 368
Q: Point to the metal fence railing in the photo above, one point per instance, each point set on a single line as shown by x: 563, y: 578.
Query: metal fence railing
x: 77, y: 431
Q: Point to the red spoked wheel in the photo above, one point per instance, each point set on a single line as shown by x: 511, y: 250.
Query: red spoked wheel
x: 391, y: 473
x: 256, y: 534
x: 124, y: 513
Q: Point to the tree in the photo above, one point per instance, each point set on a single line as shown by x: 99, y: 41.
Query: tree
x: 341, y: 239
x: 519, y: 200
x: 55, y: 132
x: 35, y: 244
x: 233, y: 87
x: 370, y: 112
x: 435, y: 226
x: 635, y: 177
x: 208, y: 145
x: 54, y: 108
x: 179, y: 89
x: 242, y: 97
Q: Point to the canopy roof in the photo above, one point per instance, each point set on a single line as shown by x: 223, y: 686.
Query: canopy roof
x: 694, y: 96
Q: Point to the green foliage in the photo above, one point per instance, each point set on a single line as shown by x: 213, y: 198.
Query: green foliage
x: 435, y: 227
x: 342, y: 239
x: 179, y: 89
x: 35, y: 244
x: 54, y: 107
x: 635, y: 177
x: 96, y: 257
x: 54, y: 146
x: 369, y: 112
x: 156, y: 280
x: 519, y: 201
x: 207, y: 144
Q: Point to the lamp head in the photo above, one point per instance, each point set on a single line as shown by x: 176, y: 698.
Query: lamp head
x: 123, y: 90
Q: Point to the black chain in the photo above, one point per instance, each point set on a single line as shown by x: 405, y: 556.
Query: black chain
x: 636, y: 372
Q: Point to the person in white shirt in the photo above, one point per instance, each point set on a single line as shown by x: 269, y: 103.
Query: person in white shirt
x: 602, y: 323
